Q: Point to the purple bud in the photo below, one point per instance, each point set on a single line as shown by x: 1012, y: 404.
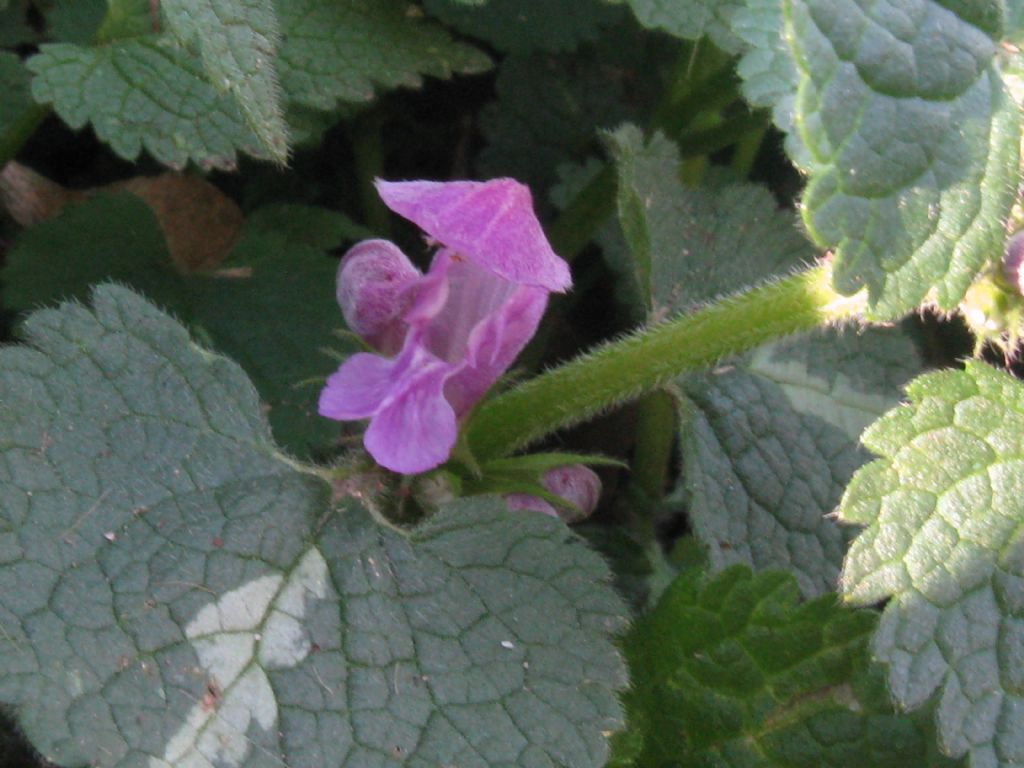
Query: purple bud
x: 577, y: 484
x: 373, y: 284
x: 1013, y: 259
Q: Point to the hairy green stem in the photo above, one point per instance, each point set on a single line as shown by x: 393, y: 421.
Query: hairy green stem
x: 624, y: 370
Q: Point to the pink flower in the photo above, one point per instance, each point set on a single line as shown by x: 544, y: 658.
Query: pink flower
x: 449, y: 334
x: 577, y: 484
x: 1013, y: 262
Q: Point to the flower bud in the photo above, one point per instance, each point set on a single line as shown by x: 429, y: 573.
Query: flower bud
x: 577, y: 484
x: 372, y: 289
x: 1013, y: 260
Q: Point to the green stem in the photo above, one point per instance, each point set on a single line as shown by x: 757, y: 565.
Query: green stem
x: 746, y: 151
x: 626, y: 369
x: 655, y: 433
x: 705, y: 141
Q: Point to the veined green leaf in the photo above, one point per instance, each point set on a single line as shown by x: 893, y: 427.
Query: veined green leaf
x: 770, y: 441
x: 334, y: 51
x: 943, y: 512
x: 141, y: 93
x: 691, y: 245
x: 736, y: 672
x: 766, y: 67
x: 175, y: 592
x: 549, y: 107
x: 238, y: 41
x: 911, y: 144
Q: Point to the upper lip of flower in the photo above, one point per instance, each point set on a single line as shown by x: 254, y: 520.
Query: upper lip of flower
x: 491, y: 223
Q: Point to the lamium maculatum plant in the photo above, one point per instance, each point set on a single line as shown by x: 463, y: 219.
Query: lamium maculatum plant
x: 475, y: 383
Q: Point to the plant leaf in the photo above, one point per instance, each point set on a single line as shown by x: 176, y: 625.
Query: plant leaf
x: 522, y: 26
x: 199, y: 222
x: 736, y: 672
x: 270, y: 304
x: 238, y: 42
x: 335, y: 52
x: 691, y: 19
x: 689, y: 245
x: 943, y: 510
x: 141, y: 93
x: 911, y: 151
x: 174, y: 592
x: 767, y: 68
x: 848, y: 378
x: 770, y: 443
x: 549, y: 107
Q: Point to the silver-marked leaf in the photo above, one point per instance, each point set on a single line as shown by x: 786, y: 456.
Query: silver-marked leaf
x: 770, y: 443
x: 341, y: 51
x: 174, y: 592
x: 848, y: 378
x: 911, y: 141
x: 142, y: 93
x: 943, y: 510
x: 238, y: 41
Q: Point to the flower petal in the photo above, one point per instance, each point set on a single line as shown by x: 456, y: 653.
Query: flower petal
x: 472, y: 294
x: 491, y: 222
x: 494, y: 344
x: 358, y: 388
x: 415, y: 430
